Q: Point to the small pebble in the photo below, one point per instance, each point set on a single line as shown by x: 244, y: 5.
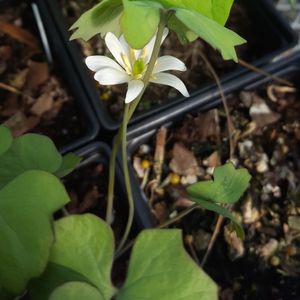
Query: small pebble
x: 174, y: 179
x: 275, y: 261
x: 145, y: 164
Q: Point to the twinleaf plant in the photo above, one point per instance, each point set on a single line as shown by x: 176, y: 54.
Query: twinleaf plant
x: 134, y: 31
x: 72, y: 257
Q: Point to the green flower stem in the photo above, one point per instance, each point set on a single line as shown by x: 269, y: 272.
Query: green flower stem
x: 111, y: 179
x: 121, y: 135
x: 127, y: 178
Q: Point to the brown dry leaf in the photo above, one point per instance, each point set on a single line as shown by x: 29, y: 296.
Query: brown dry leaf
x: 236, y: 245
x: 90, y: 200
x: 10, y: 105
x: 183, y: 202
x: 268, y: 249
x: 213, y: 160
x: 19, y: 79
x: 199, y: 128
x: 20, y: 34
x: 183, y: 161
x: 38, y: 74
x: 5, y: 53
x: 20, y: 124
x: 43, y: 104
x: 206, y: 125
x: 161, y: 212
x: 262, y: 115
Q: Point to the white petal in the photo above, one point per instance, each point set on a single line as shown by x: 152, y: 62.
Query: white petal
x: 109, y: 76
x: 149, y: 47
x: 98, y: 62
x: 124, y: 44
x: 134, y: 89
x: 171, y: 80
x: 115, y: 47
x: 168, y: 62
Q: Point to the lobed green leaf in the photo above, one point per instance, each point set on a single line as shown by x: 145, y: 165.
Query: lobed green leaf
x: 32, y: 152
x: 224, y: 212
x: 102, y: 18
x: 228, y: 185
x: 76, y: 291
x: 213, y: 33
x: 139, y: 22
x: 5, y: 139
x: 26, y: 207
x: 160, y: 269
x: 88, y: 252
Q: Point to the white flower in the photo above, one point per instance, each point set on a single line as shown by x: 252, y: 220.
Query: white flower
x: 132, y: 65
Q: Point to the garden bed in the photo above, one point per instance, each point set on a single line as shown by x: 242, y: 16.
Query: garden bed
x: 268, y: 145
x: 36, y: 96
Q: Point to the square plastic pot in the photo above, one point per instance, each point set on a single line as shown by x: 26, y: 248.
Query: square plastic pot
x: 274, y: 32
x: 144, y: 132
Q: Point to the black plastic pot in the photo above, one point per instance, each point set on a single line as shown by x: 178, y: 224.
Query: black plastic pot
x: 145, y: 131
x: 98, y: 152
x: 44, y: 28
x: 70, y: 75
x: 268, y: 23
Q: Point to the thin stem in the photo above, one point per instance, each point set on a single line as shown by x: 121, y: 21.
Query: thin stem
x: 167, y: 223
x: 231, y: 128
x: 179, y: 216
x: 111, y: 181
x: 126, y: 177
x: 133, y: 105
x: 213, y: 239
x: 122, y: 134
x: 264, y: 73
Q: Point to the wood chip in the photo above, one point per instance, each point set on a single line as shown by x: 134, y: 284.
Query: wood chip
x: 184, y: 161
x: 38, y: 74
x: 21, y: 35
x: 20, y: 124
x: 43, y: 104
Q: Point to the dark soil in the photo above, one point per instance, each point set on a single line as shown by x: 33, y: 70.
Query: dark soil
x: 266, y: 265
x: 33, y: 96
x: 197, y: 75
x: 87, y: 188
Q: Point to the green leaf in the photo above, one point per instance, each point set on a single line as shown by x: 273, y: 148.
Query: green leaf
x: 213, y: 33
x: 28, y: 152
x: 228, y: 185
x: 218, y: 10
x: 184, y: 34
x: 84, y: 244
x: 160, y: 269
x: 76, y: 291
x: 224, y: 212
x: 5, y: 139
x: 139, y: 23
x: 69, y: 162
x: 26, y: 207
x: 102, y: 18
x: 4, y: 295
x: 53, y: 277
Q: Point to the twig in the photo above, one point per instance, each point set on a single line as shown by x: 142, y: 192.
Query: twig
x: 167, y: 223
x: 231, y: 128
x: 263, y: 72
x: 213, y: 239
x: 9, y: 88
x: 159, y: 154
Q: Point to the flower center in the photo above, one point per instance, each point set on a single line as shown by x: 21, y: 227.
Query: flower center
x: 138, y: 67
